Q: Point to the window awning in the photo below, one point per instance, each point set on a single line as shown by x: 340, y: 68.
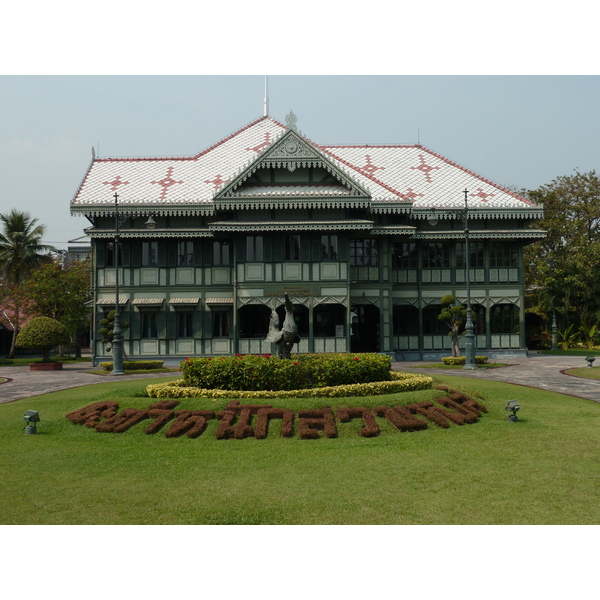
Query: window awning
x: 210, y: 302
x: 148, y: 301
x: 111, y: 301
x: 184, y: 301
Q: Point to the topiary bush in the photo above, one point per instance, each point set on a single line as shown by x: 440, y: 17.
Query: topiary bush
x: 461, y: 360
x: 264, y: 372
x: 43, y: 334
x: 135, y: 365
x: 400, y: 382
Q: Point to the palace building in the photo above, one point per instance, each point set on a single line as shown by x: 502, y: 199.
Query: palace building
x: 365, y: 240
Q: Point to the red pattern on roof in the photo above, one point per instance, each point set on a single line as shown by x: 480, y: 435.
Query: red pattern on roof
x: 115, y: 183
x: 481, y: 194
x: 425, y: 168
x: 166, y: 182
x: 370, y: 168
x: 217, y: 181
x: 259, y: 147
x: 345, y: 162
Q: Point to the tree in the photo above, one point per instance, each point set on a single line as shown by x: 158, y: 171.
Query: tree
x: 43, y: 333
x: 563, y: 270
x: 60, y: 291
x: 21, y: 250
x: 107, y: 329
x: 454, y: 315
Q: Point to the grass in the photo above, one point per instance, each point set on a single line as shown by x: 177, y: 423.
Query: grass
x: 571, y: 352
x: 459, y: 367
x: 136, y: 371
x: 542, y: 470
x: 593, y: 373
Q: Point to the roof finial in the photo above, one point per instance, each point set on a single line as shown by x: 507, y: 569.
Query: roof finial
x: 266, y: 103
x: 291, y: 121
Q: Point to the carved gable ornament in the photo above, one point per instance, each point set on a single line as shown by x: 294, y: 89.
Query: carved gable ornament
x: 292, y: 152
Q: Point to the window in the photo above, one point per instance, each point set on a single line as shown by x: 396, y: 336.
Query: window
x: 149, y: 254
x: 291, y: 248
x: 329, y: 247
x: 406, y: 320
x: 185, y: 253
x: 436, y: 255
x: 254, y: 248
x: 364, y: 253
x: 220, y: 323
x: 149, y: 325
x: 221, y: 253
x: 110, y: 254
x: 405, y: 255
x: 503, y: 255
x: 431, y: 324
x: 476, y: 256
x: 185, y: 328
x: 504, y: 318
x: 327, y: 319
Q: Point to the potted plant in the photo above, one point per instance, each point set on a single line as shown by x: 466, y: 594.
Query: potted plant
x: 43, y: 334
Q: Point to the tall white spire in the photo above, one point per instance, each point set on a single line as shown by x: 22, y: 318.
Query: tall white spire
x: 266, y: 103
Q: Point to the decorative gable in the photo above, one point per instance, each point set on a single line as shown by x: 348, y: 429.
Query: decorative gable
x: 292, y: 173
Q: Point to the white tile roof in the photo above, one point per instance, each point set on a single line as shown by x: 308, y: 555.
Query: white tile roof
x: 411, y: 174
x: 420, y: 176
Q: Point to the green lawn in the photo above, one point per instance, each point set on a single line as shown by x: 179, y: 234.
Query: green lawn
x: 542, y: 470
x: 587, y: 372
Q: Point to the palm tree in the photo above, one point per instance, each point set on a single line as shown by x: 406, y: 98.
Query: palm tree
x: 21, y: 251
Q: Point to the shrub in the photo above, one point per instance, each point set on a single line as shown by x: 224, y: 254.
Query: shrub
x: 461, y: 360
x: 135, y: 365
x: 43, y: 334
x: 252, y: 372
x: 400, y: 382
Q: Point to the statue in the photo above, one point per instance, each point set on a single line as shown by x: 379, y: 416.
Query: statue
x: 287, y: 336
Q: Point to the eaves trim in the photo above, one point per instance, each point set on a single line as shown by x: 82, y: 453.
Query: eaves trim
x: 482, y: 234
x: 226, y: 226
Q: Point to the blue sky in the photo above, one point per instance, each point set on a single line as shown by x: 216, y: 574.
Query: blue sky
x: 520, y: 131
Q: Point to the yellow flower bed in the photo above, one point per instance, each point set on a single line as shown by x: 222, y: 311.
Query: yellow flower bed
x: 401, y: 382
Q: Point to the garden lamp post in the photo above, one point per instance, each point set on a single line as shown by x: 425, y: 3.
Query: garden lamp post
x: 469, y: 329
x: 117, y: 343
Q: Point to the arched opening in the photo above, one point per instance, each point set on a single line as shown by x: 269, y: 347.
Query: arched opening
x: 254, y: 321
x: 364, y: 328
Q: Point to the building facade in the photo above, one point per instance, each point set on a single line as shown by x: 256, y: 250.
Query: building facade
x: 364, y: 239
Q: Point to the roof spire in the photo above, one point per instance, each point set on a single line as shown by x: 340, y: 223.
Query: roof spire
x: 266, y: 102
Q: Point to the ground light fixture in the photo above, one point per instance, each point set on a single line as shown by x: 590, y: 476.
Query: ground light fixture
x: 31, y: 417
x: 512, y: 406
x: 590, y: 360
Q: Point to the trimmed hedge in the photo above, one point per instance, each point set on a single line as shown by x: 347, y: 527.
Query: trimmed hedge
x: 239, y: 421
x: 135, y: 365
x: 400, y: 382
x: 264, y: 372
x: 461, y: 360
